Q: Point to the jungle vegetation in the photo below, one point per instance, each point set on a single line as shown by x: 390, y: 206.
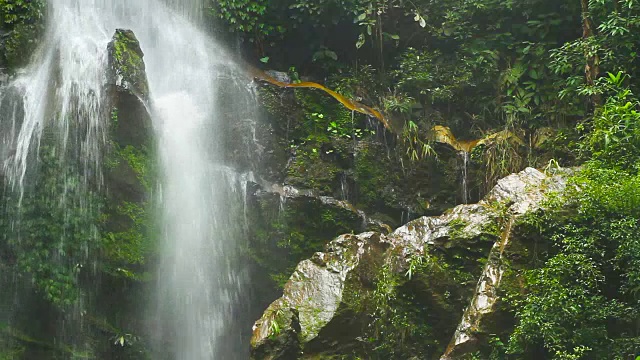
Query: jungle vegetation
x: 561, y: 75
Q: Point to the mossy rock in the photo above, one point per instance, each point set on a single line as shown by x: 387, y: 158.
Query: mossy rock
x: 339, y: 154
x: 130, y: 172
x: 126, y: 65
x: 309, y: 169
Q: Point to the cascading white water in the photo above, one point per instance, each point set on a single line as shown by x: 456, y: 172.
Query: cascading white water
x: 194, y: 314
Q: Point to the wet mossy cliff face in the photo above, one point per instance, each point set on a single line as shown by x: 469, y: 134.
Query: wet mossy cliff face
x: 129, y: 167
x: 430, y: 289
x: 130, y: 178
x: 321, y: 171
x: 324, y: 147
x: 76, y: 251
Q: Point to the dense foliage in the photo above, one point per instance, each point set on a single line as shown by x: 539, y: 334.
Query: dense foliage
x: 473, y: 65
x: 561, y: 76
x: 580, y: 299
x: 21, y: 23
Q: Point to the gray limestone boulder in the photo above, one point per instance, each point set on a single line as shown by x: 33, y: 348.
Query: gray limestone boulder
x: 320, y: 287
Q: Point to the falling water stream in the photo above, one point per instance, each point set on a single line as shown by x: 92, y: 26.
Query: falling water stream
x: 465, y: 185
x: 194, y: 313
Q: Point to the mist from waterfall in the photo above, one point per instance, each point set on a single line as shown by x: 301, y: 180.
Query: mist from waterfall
x: 195, y: 310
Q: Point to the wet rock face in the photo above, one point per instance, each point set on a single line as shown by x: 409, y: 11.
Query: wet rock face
x: 367, y: 168
x: 522, y: 193
x: 128, y: 180
x: 128, y: 164
x: 475, y: 238
x: 128, y: 89
x: 130, y: 125
x: 127, y: 69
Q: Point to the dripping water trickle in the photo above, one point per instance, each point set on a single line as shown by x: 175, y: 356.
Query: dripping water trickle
x: 344, y: 187
x: 465, y: 185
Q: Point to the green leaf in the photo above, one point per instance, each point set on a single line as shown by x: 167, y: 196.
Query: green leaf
x: 392, y: 36
x: 360, y: 41
x: 264, y: 60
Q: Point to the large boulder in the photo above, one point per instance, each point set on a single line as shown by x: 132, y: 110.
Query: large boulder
x: 326, y: 293
x: 289, y: 225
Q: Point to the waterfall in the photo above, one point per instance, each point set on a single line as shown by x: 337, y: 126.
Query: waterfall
x: 195, y: 312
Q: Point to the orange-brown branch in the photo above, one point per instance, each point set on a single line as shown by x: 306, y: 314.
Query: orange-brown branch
x: 348, y: 103
x: 443, y: 134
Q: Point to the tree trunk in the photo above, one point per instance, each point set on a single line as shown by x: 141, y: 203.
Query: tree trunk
x: 592, y: 66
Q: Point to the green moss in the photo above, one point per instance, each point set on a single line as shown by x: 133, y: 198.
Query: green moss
x: 138, y: 160
x: 127, y: 223
x: 372, y: 176
x: 124, y: 55
x: 276, y: 102
x: 310, y: 170
x: 56, y: 235
x: 130, y: 247
x: 128, y: 226
x: 128, y: 62
x: 456, y: 229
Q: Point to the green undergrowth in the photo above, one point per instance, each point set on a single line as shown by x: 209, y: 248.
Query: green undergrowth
x: 414, y: 306
x: 577, y: 296
x: 579, y: 299
x: 23, y: 22
x: 56, y: 232
x: 128, y: 226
